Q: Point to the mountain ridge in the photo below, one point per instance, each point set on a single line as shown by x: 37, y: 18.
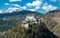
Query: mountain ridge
x: 18, y: 12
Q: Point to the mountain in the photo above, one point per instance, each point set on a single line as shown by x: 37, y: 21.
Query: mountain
x: 52, y: 20
x: 11, y: 23
x: 8, y: 20
x: 23, y: 12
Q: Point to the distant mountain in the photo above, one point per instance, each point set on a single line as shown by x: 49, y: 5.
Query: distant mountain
x: 8, y: 20
x: 23, y: 12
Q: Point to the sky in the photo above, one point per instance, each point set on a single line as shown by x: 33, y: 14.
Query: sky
x: 41, y: 6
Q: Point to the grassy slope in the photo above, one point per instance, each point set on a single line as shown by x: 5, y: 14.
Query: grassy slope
x: 51, y: 15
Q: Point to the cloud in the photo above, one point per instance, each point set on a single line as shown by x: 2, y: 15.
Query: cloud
x: 47, y: 7
x: 32, y: 9
x: 24, y: 7
x: 14, y: 0
x: 39, y: 0
x: 16, y: 5
x: 6, y: 3
x: 34, y: 3
x: 1, y: 11
x: 53, y: 0
x: 37, y: 7
x: 11, y: 10
x: 14, y: 9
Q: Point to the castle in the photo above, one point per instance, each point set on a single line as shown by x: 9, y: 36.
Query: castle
x: 29, y: 18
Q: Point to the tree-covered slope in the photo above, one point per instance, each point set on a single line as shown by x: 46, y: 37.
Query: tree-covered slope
x: 37, y: 31
x: 8, y: 20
